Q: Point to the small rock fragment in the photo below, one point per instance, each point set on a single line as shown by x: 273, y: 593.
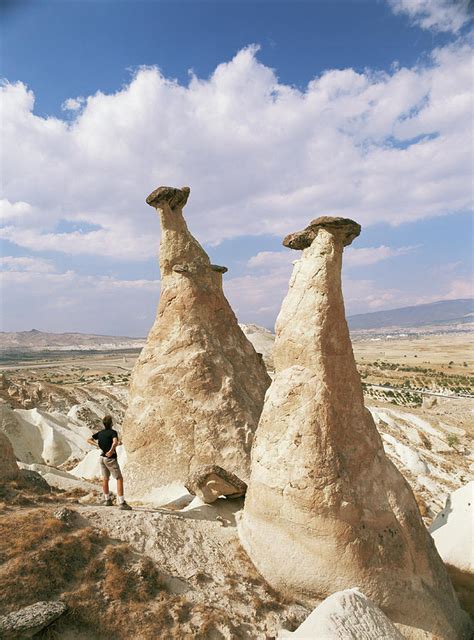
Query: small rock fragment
x: 28, y: 621
x: 65, y: 515
x: 210, y: 482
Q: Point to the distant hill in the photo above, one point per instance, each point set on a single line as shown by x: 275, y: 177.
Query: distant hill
x: 445, y: 312
x: 438, y: 313
x: 40, y: 340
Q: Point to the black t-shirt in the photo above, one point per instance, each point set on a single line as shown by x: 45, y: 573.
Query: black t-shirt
x: 105, y: 439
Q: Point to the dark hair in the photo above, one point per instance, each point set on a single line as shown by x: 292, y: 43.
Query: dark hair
x: 108, y: 422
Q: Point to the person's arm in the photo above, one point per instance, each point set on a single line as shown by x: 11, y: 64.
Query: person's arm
x: 93, y: 440
x: 111, y: 451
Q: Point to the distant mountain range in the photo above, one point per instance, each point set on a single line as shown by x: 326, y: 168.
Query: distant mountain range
x: 40, y: 340
x: 443, y: 313
x: 435, y: 313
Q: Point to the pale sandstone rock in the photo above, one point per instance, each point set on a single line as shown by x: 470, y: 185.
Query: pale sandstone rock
x: 347, y: 615
x: 453, y: 529
x: 453, y: 533
x: 198, y: 386
x: 325, y: 508
x: 8, y: 466
x: 28, y: 621
x: 262, y: 340
x: 212, y: 481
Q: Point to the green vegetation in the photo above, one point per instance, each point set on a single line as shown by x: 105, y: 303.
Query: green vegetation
x: 452, y: 440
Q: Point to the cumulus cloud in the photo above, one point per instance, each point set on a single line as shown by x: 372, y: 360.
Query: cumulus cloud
x: 19, y: 211
x: 259, y: 155
x: 73, y: 104
x: 371, y: 255
x: 439, y: 15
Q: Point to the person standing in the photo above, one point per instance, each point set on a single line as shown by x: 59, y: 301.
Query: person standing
x: 107, y: 440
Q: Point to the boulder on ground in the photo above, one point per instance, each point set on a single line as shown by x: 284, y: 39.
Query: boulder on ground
x: 8, y: 466
x: 34, y: 480
x: 325, y: 508
x: 28, y: 621
x: 198, y: 386
x: 347, y: 615
x: 210, y: 482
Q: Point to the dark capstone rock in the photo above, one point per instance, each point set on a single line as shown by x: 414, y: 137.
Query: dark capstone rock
x: 169, y: 195
x: 218, y: 268
x: 343, y: 228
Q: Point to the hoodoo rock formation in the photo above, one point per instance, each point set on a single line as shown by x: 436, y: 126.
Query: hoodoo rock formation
x: 198, y: 387
x: 325, y: 509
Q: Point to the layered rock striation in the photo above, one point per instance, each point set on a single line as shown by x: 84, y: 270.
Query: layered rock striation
x: 325, y: 508
x: 198, y: 386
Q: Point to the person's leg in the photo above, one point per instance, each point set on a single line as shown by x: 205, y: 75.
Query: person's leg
x: 117, y: 474
x: 105, y: 482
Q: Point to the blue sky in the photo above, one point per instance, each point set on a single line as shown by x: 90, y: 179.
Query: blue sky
x: 273, y: 111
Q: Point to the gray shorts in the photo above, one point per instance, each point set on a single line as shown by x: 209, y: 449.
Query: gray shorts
x: 110, y: 466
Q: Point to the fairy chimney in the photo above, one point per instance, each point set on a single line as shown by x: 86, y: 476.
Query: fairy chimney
x: 198, y: 386
x: 325, y: 509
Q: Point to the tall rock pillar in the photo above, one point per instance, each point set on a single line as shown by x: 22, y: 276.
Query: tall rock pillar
x: 325, y: 509
x: 198, y: 386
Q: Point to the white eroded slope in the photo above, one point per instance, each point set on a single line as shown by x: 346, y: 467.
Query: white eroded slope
x: 420, y: 443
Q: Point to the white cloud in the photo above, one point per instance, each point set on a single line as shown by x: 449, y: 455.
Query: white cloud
x: 19, y: 211
x: 439, y: 15
x: 26, y: 263
x: 122, y: 241
x: 258, y: 155
x: 73, y: 104
x: 358, y: 257
x: 271, y: 259
x: 460, y: 288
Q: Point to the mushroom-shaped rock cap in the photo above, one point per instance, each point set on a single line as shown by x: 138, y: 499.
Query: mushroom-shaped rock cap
x: 219, y: 269
x: 170, y: 195
x: 342, y: 228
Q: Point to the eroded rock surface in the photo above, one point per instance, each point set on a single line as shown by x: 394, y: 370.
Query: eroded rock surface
x: 453, y: 533
x: 325, y: 508
x: 198, y: 386
x: 8, y: 466
x: 347, y: 615
x: 212, y: 481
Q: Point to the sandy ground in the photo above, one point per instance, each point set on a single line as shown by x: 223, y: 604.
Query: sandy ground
x: 437, y: 351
